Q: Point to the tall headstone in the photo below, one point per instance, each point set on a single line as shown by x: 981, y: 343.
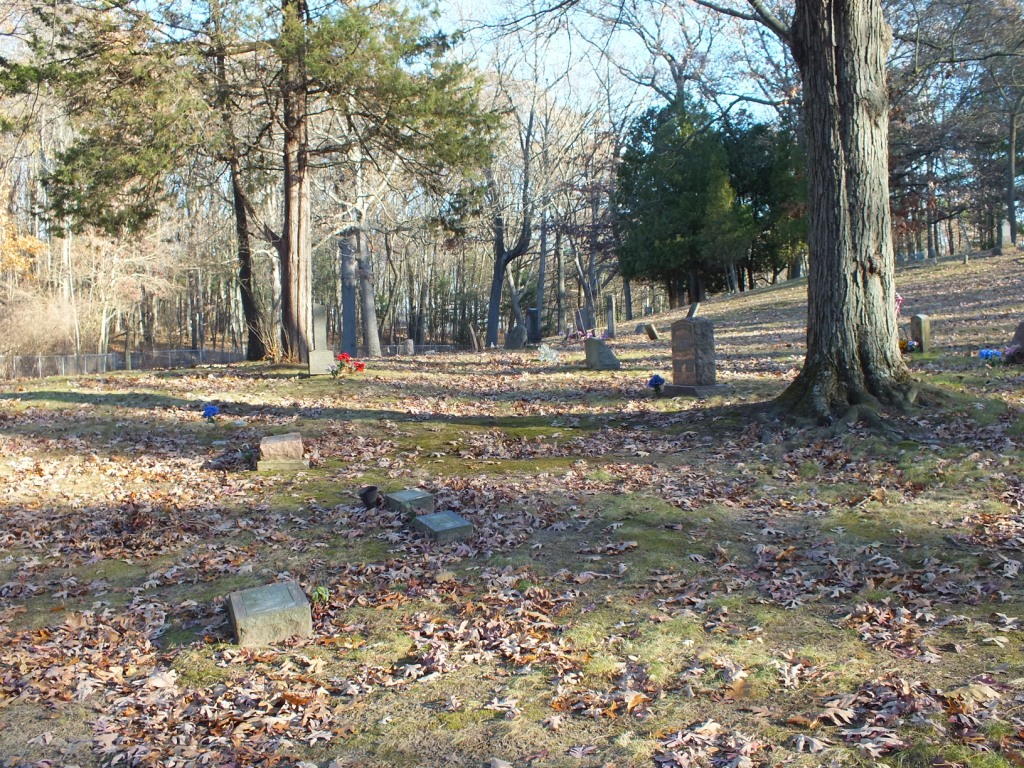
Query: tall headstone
x: 693, y: 358
x: 321, y: 357
x: 600, y: 356
x: 533, y: 325
x: 609, y: 311
x: 652, y: 332
x: 1005, y: 236
x: 921, y: 332
x: 408, y: 347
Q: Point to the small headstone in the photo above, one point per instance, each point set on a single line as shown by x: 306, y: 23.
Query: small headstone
x: 1005, y: 235
x: 693, y: 359
x: 269, y: 614
x: 648, y: 310
x: 609, y: 311
x: 600, y: 356
x: 693, y: 310
x: 281, y: 452
x: 444, y: 527
x: 639, y: 328
x: 407, y: 348
x: 516, y: 337
x: 321, y: 357
x: 921, y: 332
x: 410, y: 502
x: 652, y: 332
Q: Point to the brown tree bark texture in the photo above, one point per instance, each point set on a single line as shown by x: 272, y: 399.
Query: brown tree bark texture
x: 852, y: 342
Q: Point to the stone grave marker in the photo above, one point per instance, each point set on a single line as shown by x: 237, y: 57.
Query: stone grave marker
x: 516, y: 337
x: 609, y: 312
x: 921, y: 332
x: 652, y: 332
x: 408, y: 348
x: 270, y: 614
x: 281, y: 452
x: 321, y: 356
x: 533, y: 333
x: 410, y: 502
x: 444, y: 527
x: 639, y: 328
x: 600, y: 356
x: 693, y: 310
x: 693, y: 359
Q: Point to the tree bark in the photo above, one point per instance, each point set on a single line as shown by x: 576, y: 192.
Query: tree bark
x: 296, y: 266
x: 840, y: 47
x: 347, y: 245
x: 368, y: 299
x: 256, y: 349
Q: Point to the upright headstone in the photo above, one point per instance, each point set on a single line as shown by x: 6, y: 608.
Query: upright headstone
x: 281, y: 452
x: 693, y: 358
x: 1005, y: 236
x: 693, y: 310
x: 270, y: 614
x: 600, y: 356
x: 921, y: 332
x: 408, y: 348
x: 321, y: 357
x: 516, y: 337
x: 533, y: 325
x: 652, y: 332
x: 648, y: 310
x: 609, y: 312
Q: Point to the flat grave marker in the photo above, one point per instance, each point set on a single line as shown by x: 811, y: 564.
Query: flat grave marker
x: 269, y: 614
x: 410, y: 502
x: 444, y: 527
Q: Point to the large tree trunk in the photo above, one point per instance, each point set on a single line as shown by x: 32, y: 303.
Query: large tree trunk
x: 852, y: 355
x: 368, y: 300
x: 297, y: 298
x: 347, y: 245
x: 255, y: 348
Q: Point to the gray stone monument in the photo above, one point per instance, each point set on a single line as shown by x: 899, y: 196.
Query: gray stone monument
x: 444, y: 527
x: 270, y: 614
x: 1005, y: 237
x: 408, y: 348
x: 321, y: 356
x: 609, y: 312
x: 410, y: 502
x: 600, y: 356
x: 639, y: 328
x: 693, y: 359
x: 281, y: 452
x: 921, y: 332
x: 652, y: 332
x: 516, y: 337
x: 533, y: 333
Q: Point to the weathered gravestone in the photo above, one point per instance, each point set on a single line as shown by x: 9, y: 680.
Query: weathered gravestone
x: 281, y: 452
x: 410, y: 502
x: 533, y: 334
x: 609, y: 312
x: 516, y: 337
x: 921, y: 332
x: 1015, y: 352
x: 1005, y: 236
x: 639, y: 328
x: 321, y: 357
x: 407, y: 348
x: 652, y: 332
x: 444, y: 527
x: 270, y: 614
x: 600, y: 356
x: 693, y: 359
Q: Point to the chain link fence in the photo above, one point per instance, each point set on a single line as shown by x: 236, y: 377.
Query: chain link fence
x: 40, y: 366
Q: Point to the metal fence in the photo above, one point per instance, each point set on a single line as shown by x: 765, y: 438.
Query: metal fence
x: 391, y: 350
x: 40, y: 366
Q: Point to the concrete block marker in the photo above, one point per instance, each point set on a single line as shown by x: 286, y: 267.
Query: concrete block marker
x: 270, y: 614
x: 444, y: 527
x: 411, y: 502
x: 281, y: 452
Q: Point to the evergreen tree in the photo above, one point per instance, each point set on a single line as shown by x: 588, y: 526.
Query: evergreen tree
x: 678, y: 218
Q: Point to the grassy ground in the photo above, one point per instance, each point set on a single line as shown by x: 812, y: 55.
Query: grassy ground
x: 654, y: 582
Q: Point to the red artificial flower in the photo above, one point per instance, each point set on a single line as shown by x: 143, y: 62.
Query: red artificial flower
x: 360, y: 367
x: 344, y: 357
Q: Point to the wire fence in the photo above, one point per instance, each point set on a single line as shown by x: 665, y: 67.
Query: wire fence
x: 41, y: 366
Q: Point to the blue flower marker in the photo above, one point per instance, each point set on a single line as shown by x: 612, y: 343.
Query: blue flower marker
x: 989, y: 354
x: 210, y: 412
x: 656, y: 383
